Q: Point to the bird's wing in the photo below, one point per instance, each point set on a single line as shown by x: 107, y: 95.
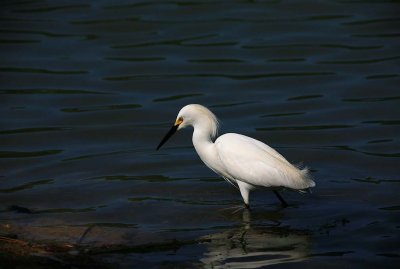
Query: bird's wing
x: 258, y: 144
x: 255, y: 163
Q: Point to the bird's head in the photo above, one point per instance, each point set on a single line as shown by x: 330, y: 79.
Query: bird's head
x: 193, y: 115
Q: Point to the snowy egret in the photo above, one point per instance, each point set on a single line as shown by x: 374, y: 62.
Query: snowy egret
x: 241, y: 160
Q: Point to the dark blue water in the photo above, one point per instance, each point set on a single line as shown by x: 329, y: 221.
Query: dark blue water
x: 89, y: 88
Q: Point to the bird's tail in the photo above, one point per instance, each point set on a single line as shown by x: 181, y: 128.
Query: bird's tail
x: 307, y: 178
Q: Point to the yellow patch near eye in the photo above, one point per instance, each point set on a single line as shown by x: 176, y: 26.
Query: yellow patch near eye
x: 178, y: 121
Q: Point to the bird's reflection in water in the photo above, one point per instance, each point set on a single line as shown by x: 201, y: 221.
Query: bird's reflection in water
x: 254, y: 246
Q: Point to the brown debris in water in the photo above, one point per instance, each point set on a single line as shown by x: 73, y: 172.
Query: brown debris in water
x: 17, y: 253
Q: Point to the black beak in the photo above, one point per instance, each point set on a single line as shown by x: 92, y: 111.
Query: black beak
x: 168, y: 135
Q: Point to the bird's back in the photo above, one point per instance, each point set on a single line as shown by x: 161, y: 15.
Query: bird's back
x: 251, y: 161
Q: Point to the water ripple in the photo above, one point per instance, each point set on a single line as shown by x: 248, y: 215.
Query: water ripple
x: 95, y: 155
x: 380, y: 35
x: 383, y: 122
x: 177, y: 97
x: 215, y: 60
x: 47, y: 91
x: 373, y: 21
x: 157, y: 3
x: 19, y: 41
x: 136, y: 59
x: 377, y: 154
x: 100, y: 108
x: 147, y: 178
x: 283, y: 114
x: 64, y: 210
x: 352, y: 47
x: 183, y: 201
x: 230, y: 104
x: 305, y: 45
x: 380, y: 141
x: 382, y: 76
x: 177, y: 42
x: 214, y: 44
x: 45, y: 33
x: 28, y: 154
x: 302, y: 97
x: 52, y: 8
x: 305, y: 127
x: 228, y: 76
x: 288, y: 60
x: 104, y: 21
x: 32, y: 130
x: 332, y: 253
x: 395, y: 207
x: 28, y: 185
x: 41, y: 71
x: 371, y: 99
x: 363, y: 61
x: 375, y: 180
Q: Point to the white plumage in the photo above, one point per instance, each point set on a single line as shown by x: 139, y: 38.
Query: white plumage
x: 241, y: 160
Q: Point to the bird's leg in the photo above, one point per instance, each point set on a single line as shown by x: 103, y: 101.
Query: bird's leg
x: 284, y: 204
x: 244, y: 191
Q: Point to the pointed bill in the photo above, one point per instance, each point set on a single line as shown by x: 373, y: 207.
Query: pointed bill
x: 170, y: 133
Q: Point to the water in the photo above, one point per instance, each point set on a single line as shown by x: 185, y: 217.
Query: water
x: 89, y: 88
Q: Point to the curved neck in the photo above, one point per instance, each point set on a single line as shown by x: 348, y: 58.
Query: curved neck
x: 205, y: 147
x: 201, y: 137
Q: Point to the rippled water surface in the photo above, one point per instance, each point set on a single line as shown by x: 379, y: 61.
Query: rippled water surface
x: 88, y: 89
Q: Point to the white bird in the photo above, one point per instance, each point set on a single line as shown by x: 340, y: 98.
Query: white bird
x: 241, y: 160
